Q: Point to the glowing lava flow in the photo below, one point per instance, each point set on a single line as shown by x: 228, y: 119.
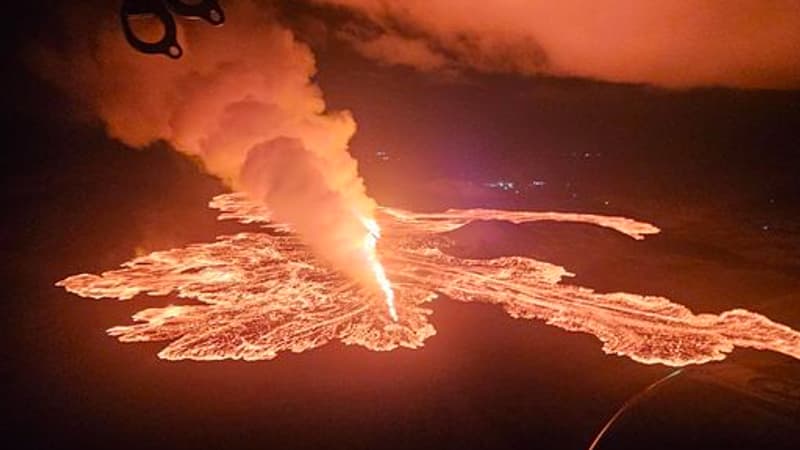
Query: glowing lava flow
x: 262, y: 293
x: 371, y: 245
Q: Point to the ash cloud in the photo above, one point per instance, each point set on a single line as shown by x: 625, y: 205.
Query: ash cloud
x: 668, y: 43
x: 241, y: 102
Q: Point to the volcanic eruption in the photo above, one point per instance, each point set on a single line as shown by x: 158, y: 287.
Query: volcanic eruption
x: 263, y: 293
x: 241, y: 101
x: 243, y: 104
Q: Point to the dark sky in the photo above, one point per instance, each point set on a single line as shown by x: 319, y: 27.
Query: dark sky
x: 729, y: 149
x: 740, y: 138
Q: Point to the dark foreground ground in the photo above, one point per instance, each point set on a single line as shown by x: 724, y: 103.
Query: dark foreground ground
x: 75, y: 202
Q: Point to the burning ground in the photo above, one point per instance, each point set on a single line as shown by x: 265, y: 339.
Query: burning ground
x: 262, y: 293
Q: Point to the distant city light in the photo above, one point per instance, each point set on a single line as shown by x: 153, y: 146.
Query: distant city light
x: 517, y: 188
x: 502, y: 185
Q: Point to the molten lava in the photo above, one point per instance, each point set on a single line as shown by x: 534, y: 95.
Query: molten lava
x: 371, y: 247
x: 262, y: 293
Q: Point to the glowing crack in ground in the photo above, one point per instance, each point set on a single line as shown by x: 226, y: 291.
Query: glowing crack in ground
x: 262, y: 293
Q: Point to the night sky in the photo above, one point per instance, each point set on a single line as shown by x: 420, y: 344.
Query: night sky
x: 714, y: 164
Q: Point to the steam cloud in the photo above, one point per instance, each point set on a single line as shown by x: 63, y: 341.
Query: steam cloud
x: 671, y: 43
x: 240, y: 101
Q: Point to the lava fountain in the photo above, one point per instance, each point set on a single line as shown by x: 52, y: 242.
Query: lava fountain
x: 263, y: 293
x: 371, y: 247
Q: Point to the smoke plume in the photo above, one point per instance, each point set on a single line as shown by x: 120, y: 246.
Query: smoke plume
x: 670, y: 43
x: 240, y: 101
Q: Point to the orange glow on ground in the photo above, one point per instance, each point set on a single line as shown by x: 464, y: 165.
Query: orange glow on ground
x: 262, y: 293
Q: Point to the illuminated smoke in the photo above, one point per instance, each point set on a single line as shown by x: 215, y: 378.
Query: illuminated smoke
x: 263, y: 293
x: 241, y: 101
x: 296, y: 182
x: 672, y: 43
